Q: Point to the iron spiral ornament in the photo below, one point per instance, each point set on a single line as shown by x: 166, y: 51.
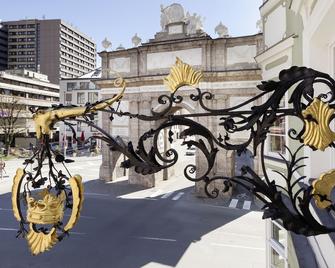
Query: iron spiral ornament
x: 291, y: 203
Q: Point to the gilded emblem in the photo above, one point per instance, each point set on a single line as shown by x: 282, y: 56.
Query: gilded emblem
x: 322, y: 189
x: 46, y: 209
x: 61, y: 192
x: 182, y: 74
x: 317, y: 132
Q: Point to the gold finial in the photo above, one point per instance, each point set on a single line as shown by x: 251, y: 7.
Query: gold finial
x: 323, y: 187
x: 49, y: 209
x: 45, y: 119
x: 182, y: 74
x: 318, y: 134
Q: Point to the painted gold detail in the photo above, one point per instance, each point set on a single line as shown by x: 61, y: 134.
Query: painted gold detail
x: 78, y: 198
x: 323, y: 187
x: 49, y: 209
x: 182, y: 74
x: 318, y: 134
x: 15, y: 192
x: 39, y: 242
x: 45, y: 119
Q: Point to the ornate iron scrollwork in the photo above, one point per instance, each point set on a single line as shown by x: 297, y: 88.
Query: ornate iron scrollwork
x: 290, y: 203
x: 54, y: 190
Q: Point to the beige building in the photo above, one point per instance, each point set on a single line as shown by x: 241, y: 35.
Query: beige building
x: 30, y: 89
x: 297, y: 32
x: 51, y: 47
x: 230, y: 72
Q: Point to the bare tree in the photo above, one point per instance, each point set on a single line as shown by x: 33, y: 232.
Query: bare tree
x: 10, y: 113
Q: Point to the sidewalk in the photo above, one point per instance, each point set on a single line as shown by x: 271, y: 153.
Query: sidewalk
x: 87, y: 167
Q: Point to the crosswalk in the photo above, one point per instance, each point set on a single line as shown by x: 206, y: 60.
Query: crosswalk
x: 169, y: 195
x: 235, y: 203
x: 159, y: 194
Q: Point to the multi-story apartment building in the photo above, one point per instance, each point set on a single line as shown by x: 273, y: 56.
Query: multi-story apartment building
x: 3, y: 46
x: 29, y: 89
x: 51, y: 47
x: 78, y: 91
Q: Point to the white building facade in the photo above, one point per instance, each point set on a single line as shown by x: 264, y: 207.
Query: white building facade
x: 79, y: 91
x: 297, y: 32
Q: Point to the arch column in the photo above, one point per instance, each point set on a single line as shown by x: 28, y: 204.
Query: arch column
x: 224, y: 164
x: 137, y: 128
x: 106, y: 168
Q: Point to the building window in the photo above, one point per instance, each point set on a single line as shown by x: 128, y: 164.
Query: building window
x: 277, y: 134
x: 84, y: 85
x: 68, y: 98
x: 79, y: 126
x: 92, y: 97
x: 95, y: 122
x: 80, y: 98
x: 277, y: 245
x: 71, y: 85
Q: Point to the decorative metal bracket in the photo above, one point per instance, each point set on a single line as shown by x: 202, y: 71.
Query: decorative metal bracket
x: 290, y: 203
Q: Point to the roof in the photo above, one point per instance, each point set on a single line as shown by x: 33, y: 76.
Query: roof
x: 96, y: 73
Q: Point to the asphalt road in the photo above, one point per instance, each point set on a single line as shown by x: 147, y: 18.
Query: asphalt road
x: 127, y: 226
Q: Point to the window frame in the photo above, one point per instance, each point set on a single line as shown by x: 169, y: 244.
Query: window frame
x: 285, y: 134
x: 84, y: 98
x: 272, y: 244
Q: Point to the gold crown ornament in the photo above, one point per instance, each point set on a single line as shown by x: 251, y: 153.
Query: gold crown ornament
x: 46, y: 209
x: 49, y: 209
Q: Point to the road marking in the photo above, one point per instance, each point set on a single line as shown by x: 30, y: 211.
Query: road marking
x: 236, y: 246
x: 167, y: 195
x: 233, y: 203
x: 177, y: 196
x: 8, y: 229
x: 156, y: 238
x: 15, y: 230
x: 81, y: 216
x: 96, y: 194
x: 73, y: 233
x: 157, y: 193
x: 247, y: 205
x: 7, y: 209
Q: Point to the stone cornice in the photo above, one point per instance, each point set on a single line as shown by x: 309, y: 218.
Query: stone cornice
x: 275, y: 49
x: 234, y: 75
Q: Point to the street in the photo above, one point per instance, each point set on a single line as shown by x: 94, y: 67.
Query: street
x: 128, y: 226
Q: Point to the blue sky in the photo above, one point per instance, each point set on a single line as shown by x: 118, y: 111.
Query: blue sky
x: 119, y: 20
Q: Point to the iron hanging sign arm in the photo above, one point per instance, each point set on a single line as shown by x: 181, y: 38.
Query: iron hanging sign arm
x: 291, y: 203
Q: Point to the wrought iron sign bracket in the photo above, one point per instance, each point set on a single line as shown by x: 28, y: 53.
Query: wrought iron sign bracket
x: 290, y: 203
